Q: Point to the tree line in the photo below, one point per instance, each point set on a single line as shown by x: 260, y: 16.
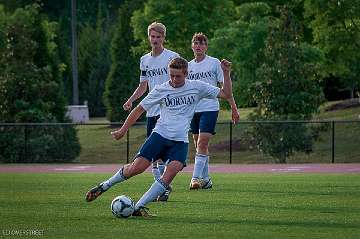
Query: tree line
x: 112, y: 37
x: 288, y: 56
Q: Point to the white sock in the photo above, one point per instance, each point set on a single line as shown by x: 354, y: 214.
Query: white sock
x: 156, y: 189
x: 156, y: 172
x: 161, y: 167
x: 205, y: 173
x: 200, y: 160
x: 116, y: 178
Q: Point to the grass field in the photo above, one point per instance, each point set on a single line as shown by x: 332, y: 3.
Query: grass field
x: 240, y: 206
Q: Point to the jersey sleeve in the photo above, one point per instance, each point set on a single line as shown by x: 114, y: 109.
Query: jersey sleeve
x: 143, y: 76
x: 219, y: 72
x: 153, y: 98
x: 207, y: 90
x: 173, y: 56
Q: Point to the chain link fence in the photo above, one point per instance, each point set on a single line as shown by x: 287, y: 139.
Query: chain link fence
x: 243, y: 143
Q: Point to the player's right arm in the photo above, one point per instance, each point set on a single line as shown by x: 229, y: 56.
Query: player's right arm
x: 130, y: 120
x: 139, y: 91
x: 153, y: 98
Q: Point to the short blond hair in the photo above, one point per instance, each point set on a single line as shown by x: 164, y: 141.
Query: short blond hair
x: 179, y: 63
x: 200, y: 37
x: 158, y: 27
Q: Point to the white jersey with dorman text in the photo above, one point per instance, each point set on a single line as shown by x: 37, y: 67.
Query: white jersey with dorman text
x: 177, y: 106
x: 208, y: 71
x: 154, y: 70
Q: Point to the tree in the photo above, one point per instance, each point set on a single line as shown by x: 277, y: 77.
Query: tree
x: 182, y: 19
x: 243, y: 42
x: 288, y: 89
x: 94, y: 61
x: 124, y: 74
x: 31, y: 90
x: 336, y: 31
x: 87, y: 16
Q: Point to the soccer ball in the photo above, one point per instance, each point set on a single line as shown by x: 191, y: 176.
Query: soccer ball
x: 122, y: 206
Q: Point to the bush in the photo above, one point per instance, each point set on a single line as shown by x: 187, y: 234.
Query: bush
x: 31, y: 90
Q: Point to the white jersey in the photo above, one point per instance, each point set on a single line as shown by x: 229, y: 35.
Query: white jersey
x: 177, y: 106
x: 154, y: 70
x: 209, y: 71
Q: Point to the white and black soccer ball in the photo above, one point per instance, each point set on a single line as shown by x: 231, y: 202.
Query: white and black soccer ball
x: 122, y: 206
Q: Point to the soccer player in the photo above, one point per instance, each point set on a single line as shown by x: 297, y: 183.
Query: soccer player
x: 177, y: 99
x: 153, y: 67
x: 206, y: 69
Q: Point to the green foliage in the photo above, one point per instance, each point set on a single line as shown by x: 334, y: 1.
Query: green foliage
x: 38, y: 144
x: 182, y: 19
x: 287, y: 89
x: 243, y: 42
x: 94, y: 62
x: 30, y: 85
x: 124, y: 73
x: 336, y: 30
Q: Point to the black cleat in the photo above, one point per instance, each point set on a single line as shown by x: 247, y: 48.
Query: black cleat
x: 206, y: 184
x: 93, y: 193
x: 143, y: 212
x: 165, y: 196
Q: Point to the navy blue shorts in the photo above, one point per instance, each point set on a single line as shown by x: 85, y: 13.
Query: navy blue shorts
x: 150, y: 124
x: 204, y: 122
x: 156, y: 147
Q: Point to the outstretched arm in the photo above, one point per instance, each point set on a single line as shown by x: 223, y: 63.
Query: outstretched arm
x: 235, y: 115
x: 139, y: 91
x: 226, y: 90
x: 130, y: 120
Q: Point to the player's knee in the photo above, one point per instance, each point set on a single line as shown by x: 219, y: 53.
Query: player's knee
x: 202, y: 146
x: 172, y: 170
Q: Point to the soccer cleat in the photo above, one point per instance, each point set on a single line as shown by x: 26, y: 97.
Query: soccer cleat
x: 143, y: 212
x: 206, y: 184
x: 195, y: 183
x: 94, y: 193
x: 165, y: 196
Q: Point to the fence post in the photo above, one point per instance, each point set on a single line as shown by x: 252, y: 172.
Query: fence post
x: 333, y: 142
x: 63, y: 129
x: 127, y: 145
x: 25, y: 142
x: 230, y: 143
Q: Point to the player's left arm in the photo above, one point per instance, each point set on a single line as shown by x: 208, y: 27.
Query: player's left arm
x: 235, y: 114
x: 226, y: 90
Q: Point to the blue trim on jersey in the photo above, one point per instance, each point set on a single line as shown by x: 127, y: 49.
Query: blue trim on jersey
x: 156, y: 147
x: 204, y: 122
x: 150, y: 124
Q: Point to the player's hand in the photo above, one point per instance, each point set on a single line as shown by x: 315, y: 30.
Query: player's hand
x: 225, y: 65
x: 118, y: 134
x: 128, y: 105
x: 235, y: 115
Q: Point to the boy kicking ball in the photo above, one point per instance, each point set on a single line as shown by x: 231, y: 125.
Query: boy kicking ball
x: 177, y: 98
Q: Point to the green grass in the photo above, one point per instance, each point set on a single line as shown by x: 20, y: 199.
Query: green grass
x: 240, y: 206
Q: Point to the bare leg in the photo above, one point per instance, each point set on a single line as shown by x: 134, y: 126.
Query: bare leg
x: 159, y: 186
